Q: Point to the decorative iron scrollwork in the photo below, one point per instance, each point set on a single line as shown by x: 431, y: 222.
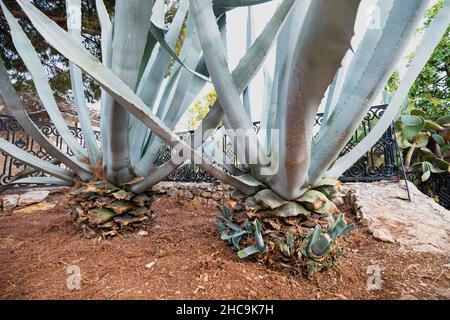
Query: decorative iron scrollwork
x: 379, y: 163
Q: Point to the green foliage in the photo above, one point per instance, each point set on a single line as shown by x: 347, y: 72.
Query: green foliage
x: 431, y: 90
x: 426, y: 143
x: 57, y: 66
x: 393, y: 82
x: 200, y: 109
x: 232, y: 233
x: 319, y: 243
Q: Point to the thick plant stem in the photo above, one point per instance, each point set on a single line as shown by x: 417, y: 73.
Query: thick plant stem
x: 130, y: 22
x: 328, y: 28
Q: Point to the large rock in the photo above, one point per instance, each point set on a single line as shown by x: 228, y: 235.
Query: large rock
x: 421, y: 225
x: 383, y: 235
x: 32, y: 197
x: 10, y: 202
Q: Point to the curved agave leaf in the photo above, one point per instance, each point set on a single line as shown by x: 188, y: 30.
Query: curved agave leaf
x: 106, y: 46
x: 222, y: 6
x: 316, y: 201
x: 33, y: 161
x: 430, y: 125
x: 256, y: 54
x: 227, y: 93
x: 418, y: 112
x: 430, y: 40
x: 328, y: 187
x: 149, y: 86
x: 40, y: 79
x: 169, y: 49
x: 299, y: 12
x: 173, y: 106
x: 142, y: 141
x: 369, y: 70
x: 291, y: 209
x: 267, y: 111
x: 256, y: 226
x: 248, y: 251
x: 30, y: 170
x: 243, y: 73
x: 130, y: 22
x: 336, y: 89
x: 319, y: 244
x: 154, y: 73
x: 106, y: 31
x: 11, y: 99
x: 269, y: 199
x: 158, y: 14
x: 73, y: 8
x: 246, y: 94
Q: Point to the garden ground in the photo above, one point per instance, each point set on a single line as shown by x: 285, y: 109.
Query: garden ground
x: 180, y: 256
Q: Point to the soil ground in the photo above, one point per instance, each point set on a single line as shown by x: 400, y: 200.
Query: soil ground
x: 191, y: 262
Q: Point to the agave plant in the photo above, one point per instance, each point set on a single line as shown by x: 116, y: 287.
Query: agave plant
x: 287, y: 173
x: 134, y: 123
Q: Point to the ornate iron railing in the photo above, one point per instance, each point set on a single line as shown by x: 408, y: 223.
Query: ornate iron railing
x: 382, y: 161
x: 379, y: 163
x: 437, y: 187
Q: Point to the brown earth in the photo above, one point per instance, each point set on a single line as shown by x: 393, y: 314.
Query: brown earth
x: 191, y: 262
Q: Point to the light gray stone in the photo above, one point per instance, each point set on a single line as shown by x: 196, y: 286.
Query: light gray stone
x: 420, y: 226
x: 206, y: 194
x: 188, y: 194
x: 10, y: 202
x: 41, y: 206
x: 383, y: 235
x: 172, y: 192
x: 213, y: 203
x: 32, y: 197
x: 218, y: 195
x: 158, y: 188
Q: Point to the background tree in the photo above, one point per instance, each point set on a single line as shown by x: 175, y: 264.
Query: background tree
x: 431, y: 92
x: 200, y: 109
x: 56, y: 65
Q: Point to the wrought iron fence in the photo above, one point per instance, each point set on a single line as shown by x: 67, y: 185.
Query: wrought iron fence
x: 381, y: 162
x: 437, y: 187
